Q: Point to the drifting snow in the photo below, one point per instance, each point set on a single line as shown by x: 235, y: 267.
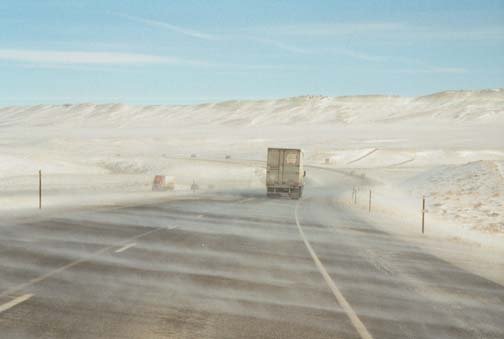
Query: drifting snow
x: 92, y: 153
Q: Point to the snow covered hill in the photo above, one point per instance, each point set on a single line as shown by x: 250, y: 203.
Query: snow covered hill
x: 469, y: 106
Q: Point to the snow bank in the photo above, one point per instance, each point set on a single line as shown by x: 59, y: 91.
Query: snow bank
x: 471, y: 194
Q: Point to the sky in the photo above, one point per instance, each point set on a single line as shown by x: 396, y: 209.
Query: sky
x: 194, y: 51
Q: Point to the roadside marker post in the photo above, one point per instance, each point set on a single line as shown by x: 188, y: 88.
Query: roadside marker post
x: 423, y: 214
x: 370, y: 201
x: 40, y: 189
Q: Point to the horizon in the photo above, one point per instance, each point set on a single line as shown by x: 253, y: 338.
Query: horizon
x: 259, y: 99
x: 61, y: 52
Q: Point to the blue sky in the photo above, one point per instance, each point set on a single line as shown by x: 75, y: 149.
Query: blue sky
x: 183, y: 52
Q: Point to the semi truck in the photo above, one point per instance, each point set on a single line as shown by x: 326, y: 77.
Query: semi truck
x: 285, y: 173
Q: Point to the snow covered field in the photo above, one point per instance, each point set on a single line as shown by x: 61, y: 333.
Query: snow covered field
x: 447, y: 146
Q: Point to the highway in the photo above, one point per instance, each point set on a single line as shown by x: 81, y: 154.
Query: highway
x: 234, y: 265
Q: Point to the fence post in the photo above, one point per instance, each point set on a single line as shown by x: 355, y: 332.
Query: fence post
x: 40, y: 189
x: 369, y: 201
x: 355, y: 196
x: 423, y: 214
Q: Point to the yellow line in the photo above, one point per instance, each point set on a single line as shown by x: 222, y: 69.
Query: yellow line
x: 356, y: 322
x: 15, y: 302
x: 71, y: 264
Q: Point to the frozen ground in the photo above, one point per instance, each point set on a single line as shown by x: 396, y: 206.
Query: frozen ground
x: 448, y: 146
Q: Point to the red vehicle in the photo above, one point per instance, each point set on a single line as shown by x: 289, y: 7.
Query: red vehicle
x: 163, y: 183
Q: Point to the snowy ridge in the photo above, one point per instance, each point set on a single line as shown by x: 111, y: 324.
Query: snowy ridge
x: 473, y: 106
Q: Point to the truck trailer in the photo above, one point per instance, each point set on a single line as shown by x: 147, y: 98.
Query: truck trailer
x: 285, y: 173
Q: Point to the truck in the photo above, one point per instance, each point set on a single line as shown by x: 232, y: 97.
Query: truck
x: 285, y: 173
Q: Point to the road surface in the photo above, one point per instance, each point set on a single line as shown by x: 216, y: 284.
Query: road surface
x: 236, y: 266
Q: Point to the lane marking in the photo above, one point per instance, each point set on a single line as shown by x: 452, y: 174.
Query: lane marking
x: 245, y: 200
x: 15, y: 302
x: 356, y: 322
x: 125, y: 247
x: 73, y: 263
x: 200, y: 216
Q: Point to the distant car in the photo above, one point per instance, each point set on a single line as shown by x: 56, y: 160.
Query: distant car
x: 228, y: 157
x: 163, y: 183
x: 193, y: 155
x: 194, y: 186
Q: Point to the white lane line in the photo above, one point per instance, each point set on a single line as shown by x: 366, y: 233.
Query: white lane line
x: 15, y: 302
x: 356, y: 322
x: 125, y: 247
x: 245, y: 200
x: 72, y: 264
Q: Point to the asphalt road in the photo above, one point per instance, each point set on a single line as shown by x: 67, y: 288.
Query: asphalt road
x: 240, y: 267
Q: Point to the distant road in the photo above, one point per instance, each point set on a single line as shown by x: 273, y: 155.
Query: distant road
x: 243, y: 267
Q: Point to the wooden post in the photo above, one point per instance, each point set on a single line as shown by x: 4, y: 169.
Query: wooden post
x: 369, y: 201
x: 40, y: 189
x: 355, y: 196
x: 423, y: 214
